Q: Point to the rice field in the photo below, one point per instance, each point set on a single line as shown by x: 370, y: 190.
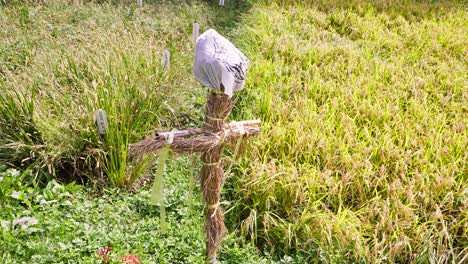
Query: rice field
x: 364, y: 107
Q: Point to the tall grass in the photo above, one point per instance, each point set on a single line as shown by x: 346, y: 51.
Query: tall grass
x: 60, y: 62
x: 18, y: 131
x: 363, y: 155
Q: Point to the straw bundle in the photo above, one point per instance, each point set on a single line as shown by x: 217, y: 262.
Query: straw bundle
x: 199, y: 143
x: 217, y: 109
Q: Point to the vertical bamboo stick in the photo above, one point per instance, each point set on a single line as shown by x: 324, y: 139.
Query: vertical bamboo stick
x: 218, y: 108
x: 195, y: 32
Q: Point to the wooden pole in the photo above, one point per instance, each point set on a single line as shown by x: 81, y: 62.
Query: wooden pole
x: 166, y: 60
x: 195, y: 31
x: 197, y: 131
x: 218, y: 108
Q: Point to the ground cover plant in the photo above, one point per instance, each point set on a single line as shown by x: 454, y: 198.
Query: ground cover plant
x: 70, y: 224
x: 363, y: 154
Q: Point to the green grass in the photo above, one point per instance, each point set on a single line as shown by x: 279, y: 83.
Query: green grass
x: 364, y: 109
x: 74, y: 223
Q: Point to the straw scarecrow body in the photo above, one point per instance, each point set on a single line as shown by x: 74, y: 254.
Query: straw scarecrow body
x: 220, y: 66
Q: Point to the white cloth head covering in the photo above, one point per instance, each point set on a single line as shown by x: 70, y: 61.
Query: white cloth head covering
x: 218, y: 63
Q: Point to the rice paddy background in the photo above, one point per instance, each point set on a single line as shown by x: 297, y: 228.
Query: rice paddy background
x: 364, y: 108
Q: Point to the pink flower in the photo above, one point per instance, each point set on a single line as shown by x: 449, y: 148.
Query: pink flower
x: 104, y: 251
x: 130, y: 259
x: 104, y: 254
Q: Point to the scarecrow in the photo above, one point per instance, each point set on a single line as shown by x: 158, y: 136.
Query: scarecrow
x: 220, y: 66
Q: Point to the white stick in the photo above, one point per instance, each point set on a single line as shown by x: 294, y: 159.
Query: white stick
x: 166, y: 60
x: 140, y: 3
x: 197, y: 131
x: 221, y: 2
x: 195, y: 31
x: 100, y: 118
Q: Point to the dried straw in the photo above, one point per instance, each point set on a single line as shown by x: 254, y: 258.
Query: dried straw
x: 201, y: 143
x: 218, y: 108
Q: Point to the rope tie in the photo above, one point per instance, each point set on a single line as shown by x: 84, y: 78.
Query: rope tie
x: 170, y: 138
x: 240, y: 128
x: 216, y: 118
x: 220, y: 136
x: 211, y: 164
x: 215, y: 207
